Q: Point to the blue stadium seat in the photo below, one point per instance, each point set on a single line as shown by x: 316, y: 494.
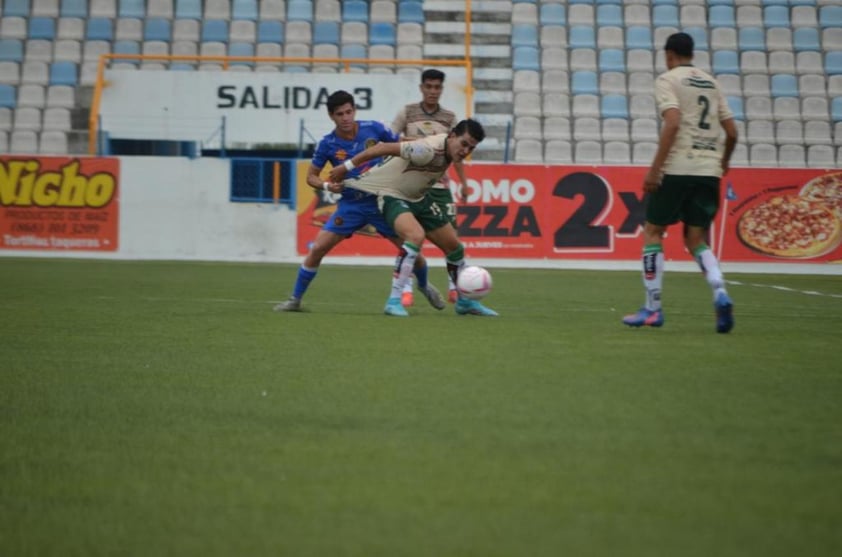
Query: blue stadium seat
x: 752, y: 38
x: 74, y: 8
x: 725, y: 61
x: 355, y: 10
x: 100, y: 29
x: 700, y: 37
x: 215, y: 30
x: 42, y: 28
x: 63, y: 73
x: 7, y: 96
x: 830, y: 16
x: 157, y: 29
x: 614, y: 106
x: 325, y: 32
x: 610, y: 15
x: 736, y: 105
x: 612, y: 60
x: 553, y: 14
x: 244, y: 9
x: 784, y: 85
x: 127, y: 47
x: 836, y: 109
x: 665, y: 16
x: 581, y: 36
x: 182, y: 67
x: 833, y: 62
x: 721, y: 16
x: 411, y: 12
x: 299, y: 10
x: 132, y: 8
x: 639, y: 36
x: 526, y: 58
x: 16, y: 8
x: 271, y: 31
x: 241, y: 49
x: 584, y: 83
x: 382, y: 32
x: 524, y: 34
x: 806, y: 38
x: 188, y: 9
x: 11, y: 50
x: 354, y: 50
x: 776, y: 16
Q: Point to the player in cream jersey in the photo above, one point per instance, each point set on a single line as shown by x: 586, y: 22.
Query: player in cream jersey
x: 425, y: 119
x: 683, y: 180
x: 402, y: 182
x: 698, y: 146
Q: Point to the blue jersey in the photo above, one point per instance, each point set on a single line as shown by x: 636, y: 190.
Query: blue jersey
x: 337, y: 150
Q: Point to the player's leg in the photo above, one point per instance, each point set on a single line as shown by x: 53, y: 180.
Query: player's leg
x: 325, y: 241
x: 699, y: 212
x: 443, y: 198
x: 444, y: 237
x: 399, y: 215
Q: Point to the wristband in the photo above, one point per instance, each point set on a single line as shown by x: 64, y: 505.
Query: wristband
x: 349, y: 165
x: 326, y: 186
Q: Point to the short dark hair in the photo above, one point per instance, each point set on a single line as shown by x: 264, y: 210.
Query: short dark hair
x: 680, y: 43
x: 432, y: 74
x: 337, y: 99
x: 471, y: 126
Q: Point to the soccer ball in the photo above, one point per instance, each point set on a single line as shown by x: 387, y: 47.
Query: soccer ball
x: 474, y: 282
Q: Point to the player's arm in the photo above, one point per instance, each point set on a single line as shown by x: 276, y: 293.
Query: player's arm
x: 337, y: 174
x: 730, y: 143
x: 314, y: 180
x: 669, y: 131
x: 459, y: 167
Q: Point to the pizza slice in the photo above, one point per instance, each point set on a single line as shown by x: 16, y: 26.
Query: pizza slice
x: 826, y: 188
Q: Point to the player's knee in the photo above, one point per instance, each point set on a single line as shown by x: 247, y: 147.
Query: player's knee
x: 458, y: 254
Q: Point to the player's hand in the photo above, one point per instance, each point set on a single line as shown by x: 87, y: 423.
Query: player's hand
x: 463, y: 192
x: 652, y: 181
x: 337, y: 174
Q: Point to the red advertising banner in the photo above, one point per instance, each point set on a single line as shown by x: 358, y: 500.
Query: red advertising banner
x: 59, y: 203
x: 597, y: 213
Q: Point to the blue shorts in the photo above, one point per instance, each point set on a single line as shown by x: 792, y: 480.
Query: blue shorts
x: 356, y: 211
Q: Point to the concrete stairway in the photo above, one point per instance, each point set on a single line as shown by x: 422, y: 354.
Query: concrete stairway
x: 491, y: 55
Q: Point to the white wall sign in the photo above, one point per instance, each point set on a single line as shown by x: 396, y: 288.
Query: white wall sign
x: 258, y: 107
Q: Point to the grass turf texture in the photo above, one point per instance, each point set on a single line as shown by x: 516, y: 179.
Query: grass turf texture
x: 156, y: 408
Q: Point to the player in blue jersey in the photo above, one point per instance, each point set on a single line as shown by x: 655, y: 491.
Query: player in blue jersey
x: 356, y: 209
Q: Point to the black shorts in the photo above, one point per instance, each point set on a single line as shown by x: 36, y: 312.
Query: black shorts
x: 692, y: 200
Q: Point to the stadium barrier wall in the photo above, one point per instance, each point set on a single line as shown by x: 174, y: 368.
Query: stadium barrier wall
x: 525, y: 215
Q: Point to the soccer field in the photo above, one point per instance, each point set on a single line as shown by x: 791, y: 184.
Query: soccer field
x: 162, y: 408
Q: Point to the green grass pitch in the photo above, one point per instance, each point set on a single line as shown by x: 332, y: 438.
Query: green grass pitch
x: 162, y: 408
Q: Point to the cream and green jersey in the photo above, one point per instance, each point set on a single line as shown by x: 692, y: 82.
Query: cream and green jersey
x: 400, y: 177
x: 413, y: 122
x: 698, y: 147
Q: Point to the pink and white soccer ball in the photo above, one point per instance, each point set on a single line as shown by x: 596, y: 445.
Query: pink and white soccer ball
x: 474, y: 282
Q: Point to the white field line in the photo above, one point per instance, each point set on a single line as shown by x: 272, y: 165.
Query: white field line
x: 784, y: 289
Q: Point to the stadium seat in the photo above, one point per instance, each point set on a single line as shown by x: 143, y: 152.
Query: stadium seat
x: 753, y: 61
x: 609, y: 14
x: 241, y: 49
x: 615, y: 129
x: 786, y: 108
x: 830, y: 16
x: 833, y: 62
x: 611, y: 60
x: 525, y: 58
x: 68, y: 51
x: 35, y: 72
x: 740, y: 155
x: 526, y: 81
x: 128, y: 29
x: 553, y: 36
x: 700, y: 37
x: 527, y: 104
x: 792, y: 156
x: 159, y: 9
x: 580, y: 14
x: 735, y: 103
x: 725, y: 61
x: 636, y: 14
x: 61, y: 96
x: 13, y: 28
x: 188, y: 9
x: 763, y: 154
x: 214, y: 30
x: 614, y: 106
x: 642, y: 106
x: 72, y: 28
x: 776, y: 16
x: 584, y: 82
x: 749, y: 16
x: 56, y: 118
x: 99, y: 29
x: 724, y: 38
x: 730, y: 84
x: 804, y: 16
x: 779, y: 38
x: 7, y: 96
x: 42, y: 28
x: 582, y: 36
x: 524, y: 34
x: 583, y: 59
x: 411, y: 12
x: 382, y: 33
x: 243, y: 31
x: 758, y: 108
x: 40, y: 50
x: 383, y: 10
x: 836, y: 109
x: 103, y: 8
x: 270, y: 31
x: 693, y: 15
x: 527, y: 127
x: 588, y: 152
x: 74, y: 8
x: 806, y: 38
x: 821, y: 156
x: 665, y: 15
x: 784, y: 85
x: 752, y: 38
x: 27, y: 118
x: 722, y: 16
x: 586, y: 106
x: 555, y: 81
x: 817, y: 132
x: 23, y: 141
x: 529, y: 150
x: 218, y: 9
x: 781, y: 61
x: 157, y: 29
x: 558, y: 151
x: 11, y: 50
x: 410, y: 33
x: 63, y: 73
x: 789, y: 132
x: 4, y: 140
x: 553, y: 14
x: 643, y: 152
x: 616, y: 152
x: 557, y: 127
x: 244, y: 9
x: 612, y: 83
x: 354, y: 10
x: 52, y: 142
x: 639, y: 60
x: 639, y: 37
x: 556, y: 105
x: 525, y: 13
x: 756, y: 85
x: 641, y: 82
x: 644, y: 129
x: 353, y: 32
x: 760, y: 131
x: 132, y: 8
x: 324, y: 32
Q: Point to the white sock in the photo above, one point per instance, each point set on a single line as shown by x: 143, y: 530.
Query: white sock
x: 403, y: 270
x: 408, y: 286
x: 653, y: 275
x: 710, y: 267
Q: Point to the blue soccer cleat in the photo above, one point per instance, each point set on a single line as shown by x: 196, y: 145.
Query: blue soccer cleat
x: 464, y: 306
x: 645, y: 317
x: 724, y: 313
x: 394, y: 307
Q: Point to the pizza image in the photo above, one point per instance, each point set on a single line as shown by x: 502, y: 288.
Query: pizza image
x: 791, y: 227
x: 826, y: 188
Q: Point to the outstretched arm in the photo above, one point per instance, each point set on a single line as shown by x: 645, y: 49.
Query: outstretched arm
x: 337, y: 174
